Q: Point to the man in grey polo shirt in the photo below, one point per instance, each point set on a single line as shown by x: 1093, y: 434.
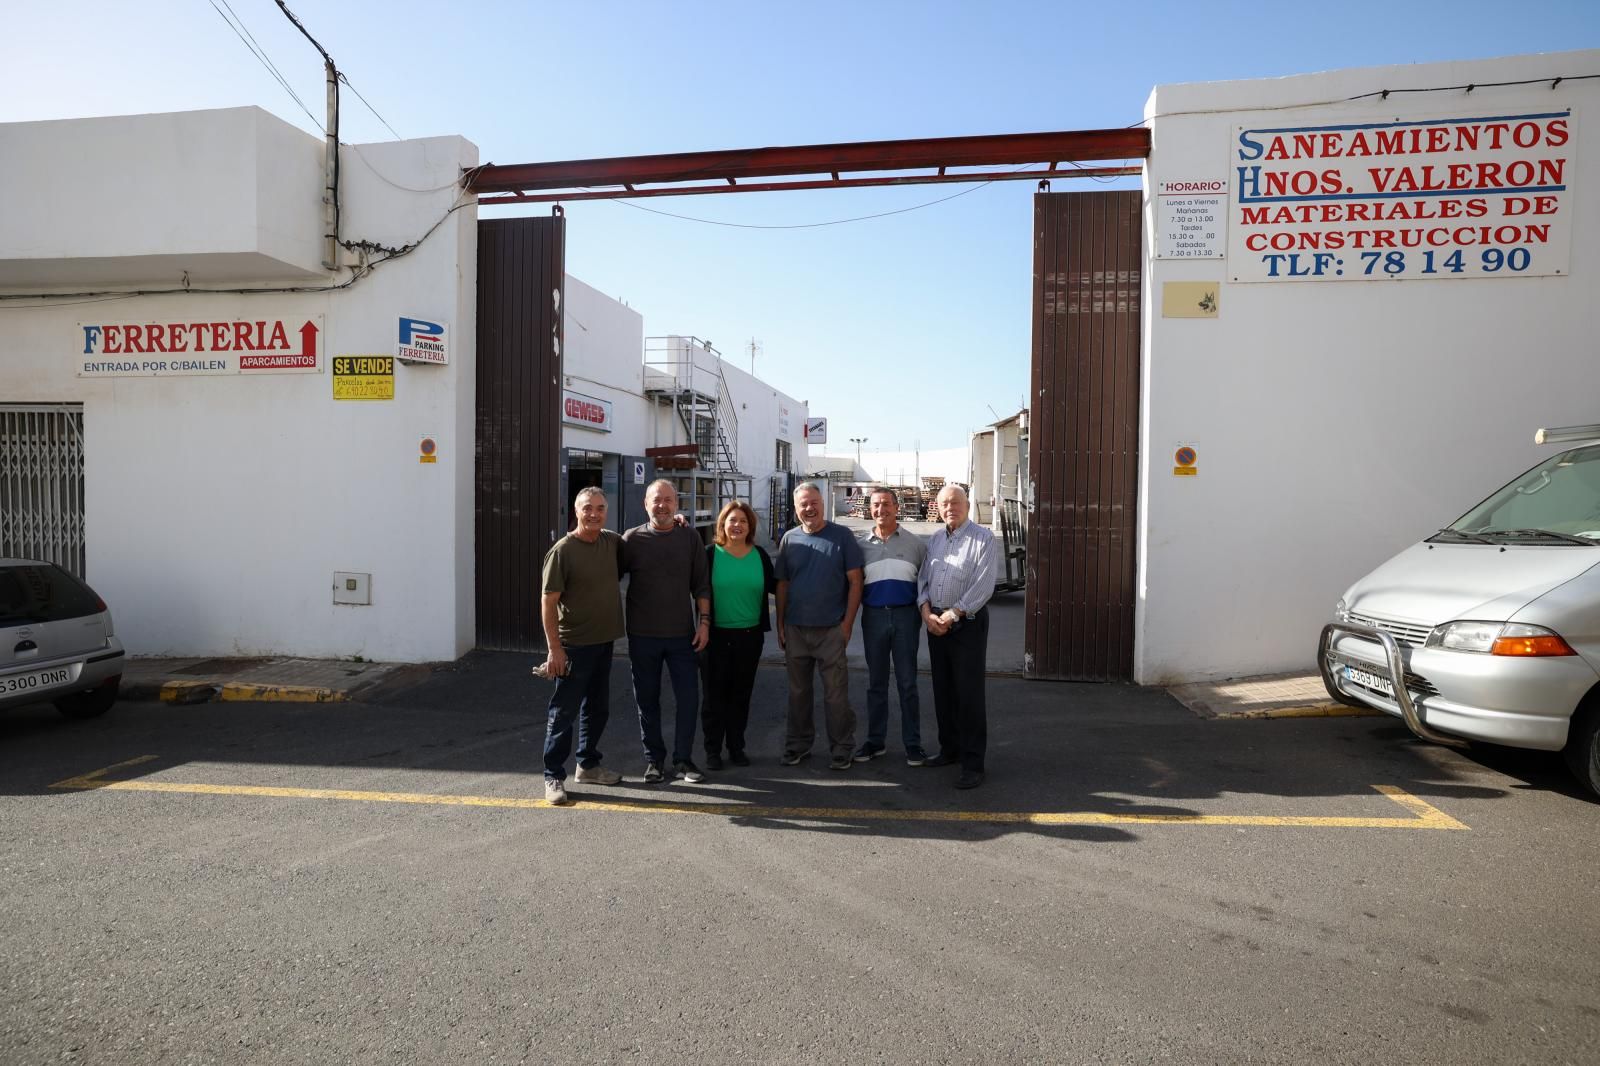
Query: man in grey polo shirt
x: 890, y: 627
x: 818, y: 568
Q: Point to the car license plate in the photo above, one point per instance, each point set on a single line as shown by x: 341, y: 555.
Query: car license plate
x: 1367, y: 679
x: 35, y: 680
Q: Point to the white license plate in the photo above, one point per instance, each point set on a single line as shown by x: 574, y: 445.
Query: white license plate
x: 35, y: 680
x: 1368, y: 679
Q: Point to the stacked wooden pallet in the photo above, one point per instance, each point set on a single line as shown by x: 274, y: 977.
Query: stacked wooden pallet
x: 929, y: 493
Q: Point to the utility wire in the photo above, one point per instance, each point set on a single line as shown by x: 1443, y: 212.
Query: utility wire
x: 816, y: 225
x: 238, y: 27
x: 1381, y: 93
x: 374, y: 110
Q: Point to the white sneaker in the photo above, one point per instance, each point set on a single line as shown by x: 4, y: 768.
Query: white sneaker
x: 555, y: 793
x: 598, y: 775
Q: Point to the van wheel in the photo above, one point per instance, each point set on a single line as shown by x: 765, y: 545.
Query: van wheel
x: 91, y: 704
x: 1583, y: 746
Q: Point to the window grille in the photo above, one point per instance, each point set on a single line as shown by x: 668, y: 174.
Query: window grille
x: 41, y: 483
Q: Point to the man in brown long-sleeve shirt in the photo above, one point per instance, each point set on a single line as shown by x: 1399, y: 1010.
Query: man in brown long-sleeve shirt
x: 669, y: 620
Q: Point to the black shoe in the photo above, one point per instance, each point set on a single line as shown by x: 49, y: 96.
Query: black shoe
x: 869, y: 751
x: 970, y: 779
x: 942, y: 759
x: 713, y: 761
x: 738, y: 758
x: 840, y: 762
x: 792, y: 758
x: 687, y: 771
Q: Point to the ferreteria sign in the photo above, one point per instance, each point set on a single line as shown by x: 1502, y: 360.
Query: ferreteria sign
x: 1419, y: 199
x: 180, y: 349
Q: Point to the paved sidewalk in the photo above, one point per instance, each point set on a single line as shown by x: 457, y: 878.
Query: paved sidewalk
x: 1291, y: 695
x: 280, y: 679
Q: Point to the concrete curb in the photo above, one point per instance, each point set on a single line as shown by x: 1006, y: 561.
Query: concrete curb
x: 188, y: 693
x: 1320, y: 710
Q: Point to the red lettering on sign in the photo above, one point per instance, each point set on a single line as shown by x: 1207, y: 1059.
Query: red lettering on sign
x: 113, y: 340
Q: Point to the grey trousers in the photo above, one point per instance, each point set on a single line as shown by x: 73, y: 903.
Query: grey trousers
x: 822, y: 648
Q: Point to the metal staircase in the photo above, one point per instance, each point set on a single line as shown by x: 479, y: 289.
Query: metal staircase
x: 685, y: 374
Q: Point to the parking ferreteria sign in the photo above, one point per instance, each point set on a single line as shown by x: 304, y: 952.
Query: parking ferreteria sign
x: 179, y: 349
x: 1417, y: 199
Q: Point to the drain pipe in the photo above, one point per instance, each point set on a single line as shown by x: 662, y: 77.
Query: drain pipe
x: 330, y: 174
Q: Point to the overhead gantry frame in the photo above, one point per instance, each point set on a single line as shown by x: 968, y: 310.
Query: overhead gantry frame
x: 1030, y: 156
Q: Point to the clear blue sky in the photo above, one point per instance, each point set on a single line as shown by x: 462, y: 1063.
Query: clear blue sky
x: 903, y: 329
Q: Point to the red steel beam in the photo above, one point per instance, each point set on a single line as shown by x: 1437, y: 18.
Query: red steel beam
x: 865, y: 156
x: 630, y: 193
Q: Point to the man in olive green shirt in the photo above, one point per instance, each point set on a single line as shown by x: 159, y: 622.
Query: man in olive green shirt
x: 582, y: 614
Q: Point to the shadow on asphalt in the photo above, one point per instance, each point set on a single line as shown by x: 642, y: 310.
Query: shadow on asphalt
x: 1054, y: 747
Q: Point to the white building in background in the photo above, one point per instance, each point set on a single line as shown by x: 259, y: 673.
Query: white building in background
x: 618, y: 406
x: 998, y: 466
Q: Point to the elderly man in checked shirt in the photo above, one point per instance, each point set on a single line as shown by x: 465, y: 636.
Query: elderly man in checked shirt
x: 953, y: 590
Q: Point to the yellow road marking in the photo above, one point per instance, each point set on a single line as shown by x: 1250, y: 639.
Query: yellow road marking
x: 1423, y: 814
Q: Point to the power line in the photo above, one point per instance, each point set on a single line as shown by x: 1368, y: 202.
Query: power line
x: 238, y: 27
x: 374, y: 110
x: 816, y: 225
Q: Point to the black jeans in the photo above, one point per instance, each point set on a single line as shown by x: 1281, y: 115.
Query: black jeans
x: 730, y: 666
x: 958, y: 660
x: 581, y: 699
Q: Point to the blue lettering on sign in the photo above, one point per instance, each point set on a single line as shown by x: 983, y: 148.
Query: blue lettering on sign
x: 91, y: 337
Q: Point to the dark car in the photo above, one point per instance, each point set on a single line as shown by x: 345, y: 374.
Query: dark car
x: 56, y: 641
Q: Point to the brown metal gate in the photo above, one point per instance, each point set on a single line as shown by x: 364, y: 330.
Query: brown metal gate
x: 521, y: 282
x: 1084, y: 450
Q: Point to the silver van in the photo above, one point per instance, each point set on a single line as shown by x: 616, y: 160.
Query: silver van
x: 1489, y: 629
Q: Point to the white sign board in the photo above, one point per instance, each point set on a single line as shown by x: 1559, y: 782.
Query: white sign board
x: 1401, y: 200
x: 638, y: 473
x: 422, y: 341
x: 816, y: 431
x: 586, y: 412
x: 184, y: 349
x: 1190, y: 217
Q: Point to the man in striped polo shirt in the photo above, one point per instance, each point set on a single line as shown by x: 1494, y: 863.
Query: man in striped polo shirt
x: 891, y: 627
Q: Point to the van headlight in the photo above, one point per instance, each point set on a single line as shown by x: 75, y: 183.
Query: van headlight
x: 1498, y: 638
x: 1341, y: 611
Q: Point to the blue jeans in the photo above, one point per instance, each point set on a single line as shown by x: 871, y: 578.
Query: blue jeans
x: 646, y: 655
x: 584, y: 697
x: 890, y: 635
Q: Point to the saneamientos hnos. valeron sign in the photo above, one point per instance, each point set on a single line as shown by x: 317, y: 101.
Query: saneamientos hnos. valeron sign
x: 1407, y: 199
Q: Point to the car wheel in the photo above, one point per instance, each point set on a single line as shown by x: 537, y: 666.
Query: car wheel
x: 1583, y: 746
x: 91, y: 704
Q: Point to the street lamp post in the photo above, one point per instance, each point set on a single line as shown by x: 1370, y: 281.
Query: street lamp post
x: 858, y: 442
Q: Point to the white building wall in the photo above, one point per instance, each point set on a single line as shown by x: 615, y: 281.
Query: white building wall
x: 905, y: 467
x: 1338, y: 421
x: 603, y: 358
x: 219, y: 507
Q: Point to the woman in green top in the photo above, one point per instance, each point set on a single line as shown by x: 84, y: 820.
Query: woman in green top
x: 741, y: 581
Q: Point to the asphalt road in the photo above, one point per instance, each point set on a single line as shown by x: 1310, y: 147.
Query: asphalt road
x: 1181, y: 891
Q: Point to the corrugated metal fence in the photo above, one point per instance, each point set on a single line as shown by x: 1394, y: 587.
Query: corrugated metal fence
x: 41, y: 483
x: 521, y: 282
x: 1084, y: 447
